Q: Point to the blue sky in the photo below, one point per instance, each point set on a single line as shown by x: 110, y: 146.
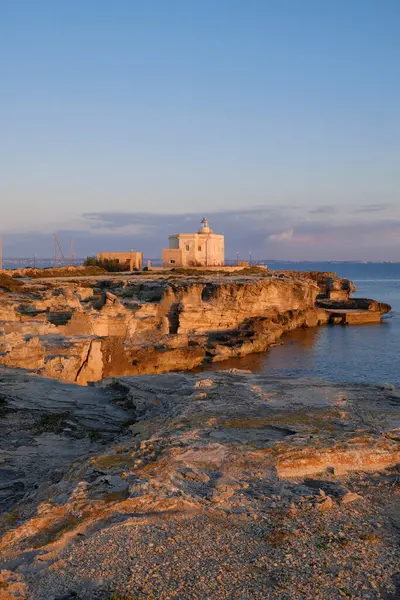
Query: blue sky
x: 123, y: 121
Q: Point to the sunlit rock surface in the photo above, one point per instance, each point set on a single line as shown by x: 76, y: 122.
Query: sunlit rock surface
x: 180, y: 486
x: 81, y: 331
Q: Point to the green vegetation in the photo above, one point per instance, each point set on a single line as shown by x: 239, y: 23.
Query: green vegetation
x: 110, y: 265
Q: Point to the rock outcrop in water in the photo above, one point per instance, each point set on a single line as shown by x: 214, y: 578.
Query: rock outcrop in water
x: 176, y: 486
x: 82, y: 331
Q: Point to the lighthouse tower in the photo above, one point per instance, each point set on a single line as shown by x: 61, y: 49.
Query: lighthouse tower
x: 205, y: 226
x: 204, y: 248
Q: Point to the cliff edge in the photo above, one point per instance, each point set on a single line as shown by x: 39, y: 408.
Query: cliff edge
x: 88, y: 328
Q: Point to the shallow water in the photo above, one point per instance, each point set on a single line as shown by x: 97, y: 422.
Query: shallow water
x: 362, y: 354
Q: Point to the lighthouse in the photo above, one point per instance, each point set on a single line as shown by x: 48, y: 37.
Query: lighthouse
x: 202, y: 249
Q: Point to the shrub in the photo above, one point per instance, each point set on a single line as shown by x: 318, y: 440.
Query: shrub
x: 108, y: 264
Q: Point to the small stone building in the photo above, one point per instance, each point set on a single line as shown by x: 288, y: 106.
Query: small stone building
x: 133, y: 259
x: 202, y: 249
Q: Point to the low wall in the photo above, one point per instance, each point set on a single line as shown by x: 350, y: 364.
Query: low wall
x: 225, y: 268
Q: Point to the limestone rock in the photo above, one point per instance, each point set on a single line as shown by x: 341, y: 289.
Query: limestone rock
x: 350, y: 497
x: 137, y: 325
x: 326, y: 504
x: 190, y: 484
x: 204, y: 383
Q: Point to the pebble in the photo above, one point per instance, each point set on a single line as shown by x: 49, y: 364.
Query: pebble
x: 327, y: 504
x: 350, y: 497
x: 204, y: 383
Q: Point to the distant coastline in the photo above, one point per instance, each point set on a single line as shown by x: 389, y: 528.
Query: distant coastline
x: 14, y: 263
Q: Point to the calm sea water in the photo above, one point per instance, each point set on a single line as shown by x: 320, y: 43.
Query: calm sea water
x: 362, y: 354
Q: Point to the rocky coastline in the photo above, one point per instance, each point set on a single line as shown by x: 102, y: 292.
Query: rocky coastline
x: 85, y: 329
x: 179, y: 486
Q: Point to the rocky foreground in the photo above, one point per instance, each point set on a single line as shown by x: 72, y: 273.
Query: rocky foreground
x: 83, y: 329
x: 237, y: 486
x: 174, y: 486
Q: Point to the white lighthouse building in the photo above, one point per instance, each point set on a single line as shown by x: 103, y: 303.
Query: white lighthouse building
x: 204, y: 248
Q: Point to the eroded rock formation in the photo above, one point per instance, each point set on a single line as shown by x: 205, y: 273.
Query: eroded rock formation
x: 81, y: 331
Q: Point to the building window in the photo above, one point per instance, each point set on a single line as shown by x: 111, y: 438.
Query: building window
x: 187, y: 247
x: 199, y: 248
x: 171, y: 262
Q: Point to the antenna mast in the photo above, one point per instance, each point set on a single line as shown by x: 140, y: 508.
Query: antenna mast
x: 57, y: 248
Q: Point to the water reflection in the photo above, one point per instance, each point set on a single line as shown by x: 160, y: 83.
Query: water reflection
x: 302, y: 337
x: 277, y: 358
x: 251, y: 362
x: 362, y: 354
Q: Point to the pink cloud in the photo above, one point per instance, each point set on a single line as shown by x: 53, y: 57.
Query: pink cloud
x: 290, y: 236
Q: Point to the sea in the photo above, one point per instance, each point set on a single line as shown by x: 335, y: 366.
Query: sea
x: 368, y: 354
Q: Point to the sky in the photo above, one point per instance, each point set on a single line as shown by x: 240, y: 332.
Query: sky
x: 124, y: 121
